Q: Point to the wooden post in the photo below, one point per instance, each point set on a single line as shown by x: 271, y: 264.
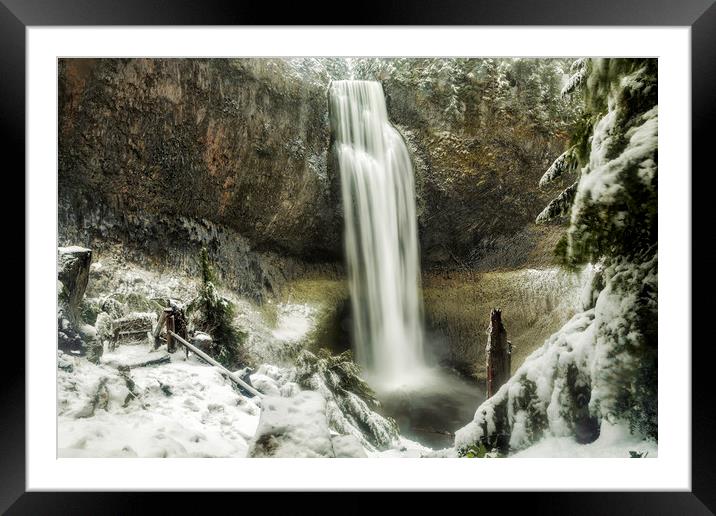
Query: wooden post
x: 171, y: 345
x: 180, y: 325
x: 158, y: 329
x: 498, y: 353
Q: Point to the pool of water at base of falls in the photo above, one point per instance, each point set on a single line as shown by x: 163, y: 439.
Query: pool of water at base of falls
x: 431, y: 412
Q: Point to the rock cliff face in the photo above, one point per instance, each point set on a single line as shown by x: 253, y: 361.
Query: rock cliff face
x: 240, y: 143
x: 174, y: 243
x: 481, y: 132
x: 244, y: 144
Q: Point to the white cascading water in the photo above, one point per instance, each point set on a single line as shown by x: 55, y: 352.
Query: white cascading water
x: 381, y: 237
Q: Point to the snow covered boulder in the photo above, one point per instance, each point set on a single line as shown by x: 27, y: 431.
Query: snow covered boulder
x: 347, y: 447
x: 73, y: 267
x: 293, y: 427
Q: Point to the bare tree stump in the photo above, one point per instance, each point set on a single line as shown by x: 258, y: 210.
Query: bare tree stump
x: 498, y: 353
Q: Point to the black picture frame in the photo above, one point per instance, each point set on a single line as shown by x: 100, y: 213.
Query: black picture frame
x: 700, y: 15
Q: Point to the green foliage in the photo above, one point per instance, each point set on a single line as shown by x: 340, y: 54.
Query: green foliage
x: 580, y: 137
x: 481, y: 451
x: 613, y: 207
x: 476, y: 451
x: 465, y: 89
x: 637, y: 399
x: 214, y: 314
x: 207, y: 271
x: 338, y: 371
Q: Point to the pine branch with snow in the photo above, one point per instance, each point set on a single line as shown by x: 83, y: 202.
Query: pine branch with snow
x: 565, y: 162
x: 559, y: 206
x: 351, y: 405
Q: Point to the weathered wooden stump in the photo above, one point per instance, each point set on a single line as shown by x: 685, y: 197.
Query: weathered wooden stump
x: 498, y: 353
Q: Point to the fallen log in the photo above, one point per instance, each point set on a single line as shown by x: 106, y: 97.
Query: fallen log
x: 216, y: 364
x: 131, y: 332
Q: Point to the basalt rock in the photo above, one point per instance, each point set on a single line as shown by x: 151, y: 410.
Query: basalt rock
x: 73, y: 267
x: 241, y: 146
x: 238, y: 142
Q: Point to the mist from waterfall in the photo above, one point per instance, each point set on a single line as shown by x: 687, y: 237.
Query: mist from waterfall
x: 381, y: 238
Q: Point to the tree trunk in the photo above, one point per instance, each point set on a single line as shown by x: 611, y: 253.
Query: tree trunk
x: 498, y: 353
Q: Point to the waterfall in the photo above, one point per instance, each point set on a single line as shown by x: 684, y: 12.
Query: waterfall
x: 381, y: 238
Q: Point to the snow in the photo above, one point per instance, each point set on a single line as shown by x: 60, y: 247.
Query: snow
x: 617, y: 187
x: 601, y: 183
x: 579, y: 71
x: 72, y: 249
x: 404, y: 448
x: 613, y: 441
x: 266, y: 342
x: 294, y: 321
x: 347, y: 446
x: 131, y: 355
x: 265, y: 385
x: 185, y: 409
x: 563, y: 163
x: 293, y: 427
x: 337, y: 379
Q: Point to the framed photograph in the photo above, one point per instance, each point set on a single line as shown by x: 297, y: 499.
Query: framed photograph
x: 429, y: 247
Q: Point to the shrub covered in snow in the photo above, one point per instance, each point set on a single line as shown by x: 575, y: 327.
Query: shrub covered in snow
x: 214, y: 314
x: 350, y: 403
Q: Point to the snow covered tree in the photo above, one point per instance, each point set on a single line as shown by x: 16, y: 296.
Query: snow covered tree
x: 351, y: 405
x: 613, y: 151
x: 214, y: 314
x: 601, y: 367
x: 612, y: 205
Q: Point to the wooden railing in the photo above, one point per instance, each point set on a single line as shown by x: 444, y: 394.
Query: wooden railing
x: 211, y: 361
x: 167, y: 318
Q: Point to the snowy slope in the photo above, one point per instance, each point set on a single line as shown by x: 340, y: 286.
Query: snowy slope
x: 184, y: 409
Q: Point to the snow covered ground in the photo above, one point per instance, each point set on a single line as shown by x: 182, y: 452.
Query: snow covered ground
x: 294, y: 321
x: 407, y: 449
x: 183, y: 409
x: 576, y: 384
x: 613, y: 441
